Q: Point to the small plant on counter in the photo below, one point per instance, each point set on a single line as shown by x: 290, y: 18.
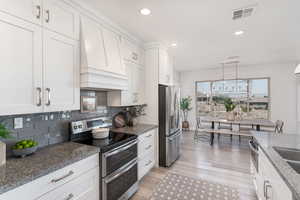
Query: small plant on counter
x: 4, y: 132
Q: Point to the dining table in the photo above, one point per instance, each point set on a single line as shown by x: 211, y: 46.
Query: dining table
x: 257, y: 123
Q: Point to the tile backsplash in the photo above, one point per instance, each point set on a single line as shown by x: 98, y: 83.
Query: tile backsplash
x: 47, y: 128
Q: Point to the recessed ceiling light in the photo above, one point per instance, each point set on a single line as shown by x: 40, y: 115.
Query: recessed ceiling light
x: 239, y: 33
x: 174, y: 44
x: 145, y: 11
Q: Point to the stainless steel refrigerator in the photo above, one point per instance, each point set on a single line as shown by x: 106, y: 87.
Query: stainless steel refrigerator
x: 169, y: 125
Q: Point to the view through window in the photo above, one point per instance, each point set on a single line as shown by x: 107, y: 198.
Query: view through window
x: 250, y: 97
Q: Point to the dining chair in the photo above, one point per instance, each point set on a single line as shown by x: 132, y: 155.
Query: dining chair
x: 200, y: 132
x: 246, y: 127
x: 225, y: 126
x: 278, y: 127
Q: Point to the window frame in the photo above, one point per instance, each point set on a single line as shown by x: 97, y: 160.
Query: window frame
x: 248, y: 92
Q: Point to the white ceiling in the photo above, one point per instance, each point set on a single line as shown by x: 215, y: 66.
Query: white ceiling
x: 204, y: 29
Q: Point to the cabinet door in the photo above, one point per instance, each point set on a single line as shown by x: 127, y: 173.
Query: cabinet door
x: 163, y: 67
x: 61, y: 72
x: 30, y: 10
x: 21, y: 66
x: 138, y: 84
x: 113, y: 52
x: 61, y: 18
x: 132, y: 52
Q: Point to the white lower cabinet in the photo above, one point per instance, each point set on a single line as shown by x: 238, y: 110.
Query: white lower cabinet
x: 78, y: 181
x: 87, y: 187
x: 146, y: 152
x: 270, y: 186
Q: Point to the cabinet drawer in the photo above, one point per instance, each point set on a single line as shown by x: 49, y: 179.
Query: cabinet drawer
x: 145, y: 164
x: 146, y: 144
x: 68, y: 173
x: 53, y: 180
x: 147, y: 136
x: 145, y: 147
x: 87, y: 187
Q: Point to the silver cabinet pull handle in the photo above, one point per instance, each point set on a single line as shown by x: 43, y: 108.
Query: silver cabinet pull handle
x: 69, y: 197
x: 39, y: 96
x: 48, y: 16
x: 122, y: 148
x: 267, y: 191
x: 38, y: 8
x: 148, y: 147
x: 134, y: 56
x: 63, y: 177
x: 49, y: 97
x: 265, y: 187
x: 150, y: 161
x: 149, y: 135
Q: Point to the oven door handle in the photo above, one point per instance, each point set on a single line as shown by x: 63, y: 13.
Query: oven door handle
x: 251, y: 147
x: 120, y: 172
x: 115, y: 151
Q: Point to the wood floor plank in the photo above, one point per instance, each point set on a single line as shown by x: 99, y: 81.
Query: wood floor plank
x: 227, y: 162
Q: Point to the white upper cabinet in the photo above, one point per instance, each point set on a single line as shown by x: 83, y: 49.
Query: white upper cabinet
x: 21, y: 66
x: 135, y: 94
x: 164, y: 68
x: 40, y: 67
x: 138, y: 84
x: 132, y: 53
x: 61, y: 18
x: 61, y: 72
x: 93, y: 52
x: 55, y: 15
x: 30, y: 10
x: 112, y: 44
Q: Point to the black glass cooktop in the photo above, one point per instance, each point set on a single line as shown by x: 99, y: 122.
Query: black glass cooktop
x: 114, y: 140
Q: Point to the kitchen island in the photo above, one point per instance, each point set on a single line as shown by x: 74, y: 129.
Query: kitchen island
x: 268, y: 143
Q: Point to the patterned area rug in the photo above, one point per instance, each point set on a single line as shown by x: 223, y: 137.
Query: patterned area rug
x: 177, y: 187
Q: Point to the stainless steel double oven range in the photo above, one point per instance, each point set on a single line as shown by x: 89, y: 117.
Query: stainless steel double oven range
x: 118, y: 158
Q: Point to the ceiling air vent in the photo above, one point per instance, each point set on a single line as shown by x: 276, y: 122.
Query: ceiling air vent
x: 243, y: 12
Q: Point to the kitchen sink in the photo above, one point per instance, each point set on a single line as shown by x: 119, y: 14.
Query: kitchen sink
x: 288, y: 153
x: 295, y: 166
x: 291, y: 156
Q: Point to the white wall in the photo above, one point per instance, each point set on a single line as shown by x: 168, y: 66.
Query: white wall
x: 283, y: 86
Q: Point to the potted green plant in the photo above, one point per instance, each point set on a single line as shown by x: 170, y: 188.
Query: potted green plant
x: 229, y: 107
x: 185, y: 106
x: 4, y: 133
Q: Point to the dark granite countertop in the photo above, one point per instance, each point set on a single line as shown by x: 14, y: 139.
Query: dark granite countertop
x: 19, y: 171
x: 136, y: 130
x: 266, y: 141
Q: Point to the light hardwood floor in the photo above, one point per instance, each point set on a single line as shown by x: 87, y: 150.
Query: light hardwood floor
x: 226, y: 162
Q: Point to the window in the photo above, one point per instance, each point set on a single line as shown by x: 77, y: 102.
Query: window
x: 250, y: 96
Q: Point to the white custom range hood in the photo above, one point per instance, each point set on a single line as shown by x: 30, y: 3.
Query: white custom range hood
x: 102, y: 66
